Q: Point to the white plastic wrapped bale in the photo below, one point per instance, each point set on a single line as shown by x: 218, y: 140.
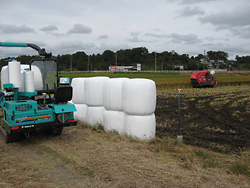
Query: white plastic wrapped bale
x: 15, y: 73
x: 38, y: 79
x: 93, y: 90
x: 139, y: 96
x: 142, y: 127
x: 95, y: 115
x: 113, y: 120
x: 81, y: 112
x: 28, y: 80
x: 112, y: 94
x: 78, y: 90
x: 4, y: 75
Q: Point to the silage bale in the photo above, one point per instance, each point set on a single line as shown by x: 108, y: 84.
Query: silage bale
x: 78, y: 85
x: 81, y: 112
x: 142, y: 127
x: 113, y: 121
x: 95, y: 115
x: 93, y: 90
x: 139, y: 96
x: 112, y: 94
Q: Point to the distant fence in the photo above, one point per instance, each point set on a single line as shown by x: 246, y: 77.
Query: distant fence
x: 223, y: 71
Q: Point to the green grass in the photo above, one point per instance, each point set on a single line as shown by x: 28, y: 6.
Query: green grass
x: 127, y: 75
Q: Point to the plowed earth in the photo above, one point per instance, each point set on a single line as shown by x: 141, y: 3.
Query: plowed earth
x: 213, y: 118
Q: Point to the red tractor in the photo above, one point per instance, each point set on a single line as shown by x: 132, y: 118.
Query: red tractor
x: 203, y: 79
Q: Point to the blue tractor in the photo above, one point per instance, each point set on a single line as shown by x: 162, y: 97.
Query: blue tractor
x: 46, y: 109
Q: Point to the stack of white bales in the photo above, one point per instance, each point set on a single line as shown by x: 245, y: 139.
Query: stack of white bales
x: 121, y: 104
x: 93, y: 91
x: 139, y: 102
x: 78, y: 98
x: 113, y: 118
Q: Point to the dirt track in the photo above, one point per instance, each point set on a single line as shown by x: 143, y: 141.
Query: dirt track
x: 217, y: 122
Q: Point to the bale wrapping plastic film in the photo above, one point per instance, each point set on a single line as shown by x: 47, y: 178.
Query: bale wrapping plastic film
x: 4, y: 75
x: 93, y: 90
x: 113, y: 120
x: 81, y: 112
x: 28, y: 77
x: 95, y: 115
x: 15, y: 73
x: 38, y: 80
x: 112, y: 94
x: 38, y: 83
x: 78, y: 90
x: 139, y: 96
x: 142, y: 127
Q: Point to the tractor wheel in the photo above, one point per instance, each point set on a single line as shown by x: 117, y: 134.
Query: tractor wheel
x: 9, y: 138
x: 12, y: 138
x: 56, y: 131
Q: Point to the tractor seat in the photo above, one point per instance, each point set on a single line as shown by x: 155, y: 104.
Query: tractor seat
x: 63, y: 94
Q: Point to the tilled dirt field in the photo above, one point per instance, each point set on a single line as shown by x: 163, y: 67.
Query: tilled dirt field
x: 213, y: 118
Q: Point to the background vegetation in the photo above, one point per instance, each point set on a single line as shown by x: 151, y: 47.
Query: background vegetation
x: 130, y: 57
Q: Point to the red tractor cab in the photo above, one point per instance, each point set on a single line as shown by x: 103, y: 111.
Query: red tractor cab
x: 203, y: 79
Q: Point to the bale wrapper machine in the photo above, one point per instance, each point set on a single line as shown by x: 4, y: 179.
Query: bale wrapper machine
x: 44, y: 109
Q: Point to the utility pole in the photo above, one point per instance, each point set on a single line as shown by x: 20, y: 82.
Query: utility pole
x: 116, y: 60
x: 88, y: 62
x: 155, y: 61
x: 204, y: 60
x: 71, y: 63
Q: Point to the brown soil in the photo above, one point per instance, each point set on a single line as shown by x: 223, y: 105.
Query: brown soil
x: 222, y: 127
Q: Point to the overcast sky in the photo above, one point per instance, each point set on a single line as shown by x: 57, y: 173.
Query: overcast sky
x: 93, y: 26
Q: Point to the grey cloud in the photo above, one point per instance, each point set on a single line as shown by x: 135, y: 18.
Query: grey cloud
x: 72, y: 47
x: 156, y: 35
x: 80, y: 29
x: 114, y: 48
x: 190, y: 1
x: 186, y: 39
x: 104, y: 37
x: 13, y: 29
x: 188, y: 11
x: 57, y: 34
x: 243, y: 32
x: 134, y: 39
x: 49, y: 28
x: 227, y: 20
x: 136, y: 33
x: 195, y: 1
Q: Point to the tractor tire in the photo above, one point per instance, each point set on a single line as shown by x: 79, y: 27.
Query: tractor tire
x: 9, y: 138
x: 6, y: 137
x: 12, y: 138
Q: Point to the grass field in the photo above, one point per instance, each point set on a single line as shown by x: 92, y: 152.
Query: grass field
x: 171, y: 80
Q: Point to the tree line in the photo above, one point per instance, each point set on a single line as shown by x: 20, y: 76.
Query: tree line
x: 131, y: 57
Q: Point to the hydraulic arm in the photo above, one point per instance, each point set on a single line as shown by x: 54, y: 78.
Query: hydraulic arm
x: 40, y: 51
